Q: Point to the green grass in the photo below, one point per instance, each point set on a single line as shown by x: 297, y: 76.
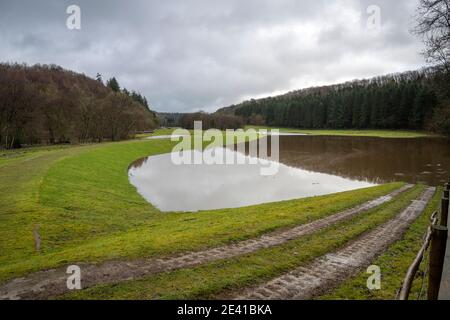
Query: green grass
x: 394, y: 264
x: 158, y: 132
x: 10, y: 156
x: 318, y: 132
x: 88, y: 212
x: 217, y: 279
x: 359, y: 133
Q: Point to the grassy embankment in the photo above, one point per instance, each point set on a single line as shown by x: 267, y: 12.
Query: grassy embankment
x: 219, y: 278
x: 159, y: 132
x: 88, y: 212
x: 394, y: 264
x: 355, y: 133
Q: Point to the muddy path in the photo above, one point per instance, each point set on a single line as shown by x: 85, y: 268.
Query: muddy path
x: 50, y: 283
x: 330, y: 270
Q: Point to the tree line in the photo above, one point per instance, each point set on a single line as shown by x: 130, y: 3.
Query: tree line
x: 412, y: 100
x: 170, y: 119
x: 46, y: 104
x: 113, y: 84
x: 401, y: 101
x: 211, y: 121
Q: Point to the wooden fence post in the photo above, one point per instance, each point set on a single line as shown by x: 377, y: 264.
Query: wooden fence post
x: 444, y: 211
x: 437, y: 256
x: 446, y: 196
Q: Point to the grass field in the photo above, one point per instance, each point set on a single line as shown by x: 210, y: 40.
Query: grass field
x: 159, y: 132
x: 87, y: 211
x: 218, y: 278
x: 355, y: 133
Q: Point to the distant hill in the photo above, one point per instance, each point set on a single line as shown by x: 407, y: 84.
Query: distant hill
x: 46, y: 104
x: 406, y: 100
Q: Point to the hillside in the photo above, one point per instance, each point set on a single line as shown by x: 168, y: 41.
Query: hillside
x: 410, y: 100
x: 45, y: 104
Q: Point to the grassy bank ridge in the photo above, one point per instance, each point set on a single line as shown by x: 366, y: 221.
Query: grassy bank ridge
x: 353, y: 133
x: 88, y: 212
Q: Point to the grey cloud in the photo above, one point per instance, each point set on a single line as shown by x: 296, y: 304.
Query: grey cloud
x: 187, y: 55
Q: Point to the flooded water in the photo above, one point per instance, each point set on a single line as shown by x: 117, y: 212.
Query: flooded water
x: 172, y: 187
x: 422, y: 160
x: 309, y: 166
x: 163, y: 137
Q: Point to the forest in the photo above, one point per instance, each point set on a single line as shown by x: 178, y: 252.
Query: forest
x: 45, y: 104
x: 211, y: 121
x: 417, y: 100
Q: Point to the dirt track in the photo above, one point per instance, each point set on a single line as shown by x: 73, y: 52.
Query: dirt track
x: 331, y: 269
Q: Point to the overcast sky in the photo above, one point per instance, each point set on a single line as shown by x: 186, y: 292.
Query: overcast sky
x: 189, y: 55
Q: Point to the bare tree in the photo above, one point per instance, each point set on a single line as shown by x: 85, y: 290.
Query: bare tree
x: 434, y: 26
x: 47, y: 104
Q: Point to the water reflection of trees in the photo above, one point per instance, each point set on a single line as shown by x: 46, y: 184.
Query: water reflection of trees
x: 373, y: 159
x: 138, y: 163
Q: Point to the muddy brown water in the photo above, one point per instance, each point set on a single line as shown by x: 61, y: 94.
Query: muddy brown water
x: 378, y: 160
x: 308, y: 166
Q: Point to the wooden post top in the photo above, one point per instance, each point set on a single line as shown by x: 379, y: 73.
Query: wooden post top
x: 444, y: 292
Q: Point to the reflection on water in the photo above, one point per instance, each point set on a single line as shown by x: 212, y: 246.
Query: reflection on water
x: 310, y: 166
x: 200, y: 187
x: 425, y: 160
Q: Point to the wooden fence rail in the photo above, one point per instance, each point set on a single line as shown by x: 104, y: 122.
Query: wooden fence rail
x: 412, y: 271
x: 436, y: 240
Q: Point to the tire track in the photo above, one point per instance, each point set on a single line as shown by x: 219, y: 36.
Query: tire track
x: 331, y: 269
x: 44, y: 284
